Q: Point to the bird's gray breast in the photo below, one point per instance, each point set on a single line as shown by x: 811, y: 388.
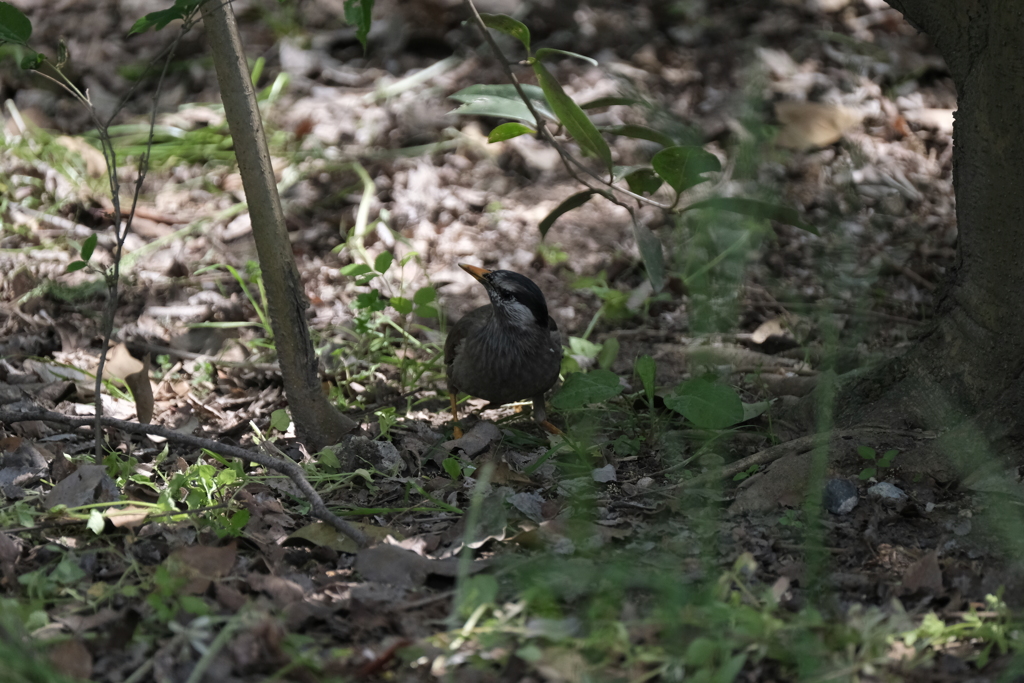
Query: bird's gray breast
x: 500, y: 367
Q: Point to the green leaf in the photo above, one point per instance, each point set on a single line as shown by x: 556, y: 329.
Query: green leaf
x: 355, y: 269
x: 500, y: 107
x: 609, y: 351
x: 641, y: 133
x: 757, y: 209
x: 574, y: 202
x: 547, y: 52
x: 681, y: 167
x: 650, y: 251
x: 643, y: 181
x: 505, y: 91
x: 478, y: 590
x: 752, y: 410
x: 452, y: 467
x: 593, y: 387
x: 645, y: 367
x: 75, y: 265
x: 572, y: 117
x: 507, y: 131
x: 424, y: 295
x: 359, y: 13
x: 706, y: 404
x: 33, y: 61
x: 96, y: 522
x: 581, y: 347
x: 279, y: 420
x: 88, y: 247
x: 383, y: 262
x: 867, y: 473
x: 887, y: 458
x: 401, y: 304
x: 15, y: 27
x: 328, y: 458
x: 370, y: 300
x: 502, y: 100
x: 609, y: 102
x: 427, y: 312
x: 866, y: 452
x: 508, y: 26
x: 157, y: 20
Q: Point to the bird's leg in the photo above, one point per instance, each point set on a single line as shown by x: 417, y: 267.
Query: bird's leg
x: 540, y: 416
x: 457, y: 432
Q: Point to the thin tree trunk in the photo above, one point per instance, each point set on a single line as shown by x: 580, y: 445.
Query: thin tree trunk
x: 317, y: 423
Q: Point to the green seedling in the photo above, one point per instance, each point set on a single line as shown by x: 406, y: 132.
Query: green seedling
x: 879, y: 463
x: 386, y: 419
x: 258, y: 300
x: 746, y: 473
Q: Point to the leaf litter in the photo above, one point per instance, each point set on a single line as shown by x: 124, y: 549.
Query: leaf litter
x: 878, y: 158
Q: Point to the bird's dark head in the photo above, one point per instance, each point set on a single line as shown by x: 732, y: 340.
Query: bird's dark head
x: 515, y: 297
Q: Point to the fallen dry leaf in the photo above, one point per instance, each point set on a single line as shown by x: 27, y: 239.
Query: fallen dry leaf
x: 72, y: 658
x: 201, y: 564
x: 806, y: 125
x: 88, y: 484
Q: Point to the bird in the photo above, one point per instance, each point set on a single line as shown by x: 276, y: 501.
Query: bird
x: 506, y: 351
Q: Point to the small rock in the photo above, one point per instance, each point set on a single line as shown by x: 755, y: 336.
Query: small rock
x: 887, y: 493
x: 840, y: 496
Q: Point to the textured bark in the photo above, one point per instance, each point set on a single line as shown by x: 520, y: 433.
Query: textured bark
x: 317, y: 423
x: 965, y: 375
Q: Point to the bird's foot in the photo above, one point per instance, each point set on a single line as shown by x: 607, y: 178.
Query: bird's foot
x: 551, y: 429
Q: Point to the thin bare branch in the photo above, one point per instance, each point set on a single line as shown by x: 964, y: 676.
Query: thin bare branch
x: 286, y: 467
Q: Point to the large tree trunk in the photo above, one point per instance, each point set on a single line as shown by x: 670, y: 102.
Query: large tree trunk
x: 964, y: 377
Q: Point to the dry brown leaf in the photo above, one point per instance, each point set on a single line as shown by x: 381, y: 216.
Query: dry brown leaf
x: 120, y: 363
x: 10, y: 550
x: 72, y: 658
x: 326, y: 535
x: 806, y: 125
x: 88, y: 484
x: 475, y: 441
x: 10, y: 443
x: 939, y: 119
x: 201, y: 564
x: 925, y: 574
x: 142, y: 392
x: 503, y: 474
x: 282, y: 591
x: 768, y: 328
x: 129, y: 516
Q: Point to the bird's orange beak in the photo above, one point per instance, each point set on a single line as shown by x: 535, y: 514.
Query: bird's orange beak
x: 476, y: 272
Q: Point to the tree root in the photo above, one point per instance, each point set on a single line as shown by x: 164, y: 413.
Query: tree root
x: 862, y: 434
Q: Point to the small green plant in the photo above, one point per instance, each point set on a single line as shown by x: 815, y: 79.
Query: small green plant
x: 258, y: 299
x: 791, y: 519
x: 740, y: 476
x: 583, y: 354
x: 664, y: 182
x: 452, y: 467
x: 167, y: 598
x: 280, y: 420
x: 386, y: 419
x: 994, y: 630
x: 381, y: 338
x: 50, y: 582
x: 879, y: 463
